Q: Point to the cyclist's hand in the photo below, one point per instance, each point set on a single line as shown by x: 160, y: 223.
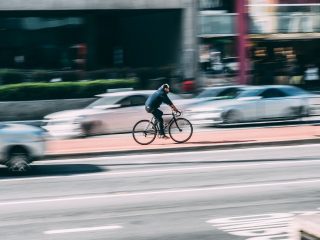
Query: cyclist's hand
x: 177, y: 112
x: 175, y: 109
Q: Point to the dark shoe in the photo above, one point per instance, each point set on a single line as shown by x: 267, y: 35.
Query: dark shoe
x: 165, y: 137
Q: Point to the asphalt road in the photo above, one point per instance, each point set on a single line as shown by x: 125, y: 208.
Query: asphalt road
x: 226, y: 194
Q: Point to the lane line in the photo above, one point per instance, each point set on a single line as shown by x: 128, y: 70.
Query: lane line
x: 102, y: 158
x: 88, y: 229
x: 160, y: 192
x: 167, y: 170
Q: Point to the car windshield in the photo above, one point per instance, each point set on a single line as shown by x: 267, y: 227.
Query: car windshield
x: 212, y: 92
x: 109, y: 100
x: 293, y: 91
x: 250, y: 93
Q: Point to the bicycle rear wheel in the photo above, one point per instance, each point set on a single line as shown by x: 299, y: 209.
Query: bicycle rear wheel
x: 144, y: 132
x: 180, y: 130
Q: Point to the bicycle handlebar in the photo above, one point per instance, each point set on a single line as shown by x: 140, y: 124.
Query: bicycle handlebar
x: 178, y: 113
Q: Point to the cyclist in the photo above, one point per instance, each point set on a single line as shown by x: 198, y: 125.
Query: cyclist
x: 153, y: 103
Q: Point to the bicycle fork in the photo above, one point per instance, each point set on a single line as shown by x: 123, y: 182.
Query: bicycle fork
x: 175, y: 121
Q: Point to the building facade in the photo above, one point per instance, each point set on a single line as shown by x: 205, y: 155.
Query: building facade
x: 282, y: 39
x: 93, y: 35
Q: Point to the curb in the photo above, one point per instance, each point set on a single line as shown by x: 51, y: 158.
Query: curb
x: 182, y: 149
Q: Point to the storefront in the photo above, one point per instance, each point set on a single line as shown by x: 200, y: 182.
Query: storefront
x: 284, y: 40
x: 89, y: 39
x: 217, y: 40
x: 284, y: 61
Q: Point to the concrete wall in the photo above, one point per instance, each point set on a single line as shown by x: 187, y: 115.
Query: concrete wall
x: 36, y: 110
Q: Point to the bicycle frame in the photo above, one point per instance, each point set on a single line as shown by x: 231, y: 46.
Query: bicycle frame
x: 173, y: 119
x: 171, y: 126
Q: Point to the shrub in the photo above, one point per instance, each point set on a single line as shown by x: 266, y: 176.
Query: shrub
x: 61, y: 90
x: 11, y: 76
x: 41, y: 76
x: 70, y: 76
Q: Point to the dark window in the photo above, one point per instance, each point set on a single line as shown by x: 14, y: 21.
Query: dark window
x: 132, y: 101
x: 125, y: 102
x: 138, y: 100
x: 272, y: 93
x: 229, y: 92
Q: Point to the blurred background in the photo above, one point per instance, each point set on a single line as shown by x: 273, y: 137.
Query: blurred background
x: 76, y: 50
x: 82, y: 68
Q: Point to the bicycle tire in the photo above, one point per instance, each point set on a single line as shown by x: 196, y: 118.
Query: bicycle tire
x: 185, y: 135
x: 140, y: 133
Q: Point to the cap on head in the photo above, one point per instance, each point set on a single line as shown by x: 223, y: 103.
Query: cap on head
x: 166, y: 85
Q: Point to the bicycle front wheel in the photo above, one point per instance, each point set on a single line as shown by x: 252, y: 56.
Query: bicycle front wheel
x: 180, y: 130
x: 144, y: 132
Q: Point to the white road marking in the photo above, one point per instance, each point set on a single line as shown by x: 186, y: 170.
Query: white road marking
x: 89, y: 229
x: 166, y: 170
x: 140, y: 156
x: 262, y: 226
x: 161, y: 192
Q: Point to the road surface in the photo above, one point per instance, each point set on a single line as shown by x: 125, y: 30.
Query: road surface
x: 224, y: 194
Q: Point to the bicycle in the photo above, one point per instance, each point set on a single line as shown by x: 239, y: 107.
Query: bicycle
x: 180, y: 129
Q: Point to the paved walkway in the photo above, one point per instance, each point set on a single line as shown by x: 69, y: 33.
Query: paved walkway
x: 121, y: 143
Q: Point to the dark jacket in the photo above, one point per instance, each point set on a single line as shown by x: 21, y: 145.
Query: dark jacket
x: 156, y: 99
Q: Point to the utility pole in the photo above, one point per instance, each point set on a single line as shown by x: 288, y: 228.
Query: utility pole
x: 242, y: 29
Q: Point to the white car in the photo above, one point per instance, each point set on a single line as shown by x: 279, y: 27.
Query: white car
x: 20, y: 145
x: 217, y: 92
x: 231, y: 65
x: 255, y: 103
x: 111, y: 113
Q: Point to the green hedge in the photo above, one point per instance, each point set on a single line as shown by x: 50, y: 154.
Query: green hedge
x: 10, y: 76
x: 61, y: 90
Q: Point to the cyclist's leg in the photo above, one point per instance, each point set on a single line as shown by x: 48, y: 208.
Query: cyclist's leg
x: 158, y: 115
x: 150, y: 110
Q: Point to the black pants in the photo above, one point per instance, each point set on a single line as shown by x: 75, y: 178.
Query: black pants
x: 158, y: 115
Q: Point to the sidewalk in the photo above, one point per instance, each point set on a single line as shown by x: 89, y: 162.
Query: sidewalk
x: 230, y: 138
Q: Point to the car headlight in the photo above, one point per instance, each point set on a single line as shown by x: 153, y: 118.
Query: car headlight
x: 40, y: 136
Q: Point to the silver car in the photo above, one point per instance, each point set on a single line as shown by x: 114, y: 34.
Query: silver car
x: 20, y: 145
x: 254, y: 103
x: 217, y: 92
x: 110, y: 113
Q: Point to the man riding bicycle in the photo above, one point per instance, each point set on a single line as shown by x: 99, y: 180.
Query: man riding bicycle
x: 153, y: 103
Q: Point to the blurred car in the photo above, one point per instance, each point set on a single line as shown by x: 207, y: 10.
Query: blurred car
x: 111, y: 113
x: 255, y: 103
x: 217, y: 67
x: 20, y: 145
x: 210, y: 93
x: 230, y: 65
x: 229, y: 91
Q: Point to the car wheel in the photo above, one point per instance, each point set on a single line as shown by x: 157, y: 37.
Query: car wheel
x: 90, y: 128
x: 231, y: 117
x: 18, y: 161
x: 297, y: 112
x: 304, y: 111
